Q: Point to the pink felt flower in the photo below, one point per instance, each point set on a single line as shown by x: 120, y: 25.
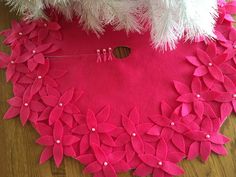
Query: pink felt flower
x: 209, y: 63
x: 18, y: 33
x: 206, y: 140
x: 95, y: 129
x: 227, y: 98
x: 13, y: 69
x: 56, y: 142
x: 102, y: 164
x: 23, y: 104
x: 157, y: 164
x: 45, y: 29
x: 35, y: 54
x: 195, y: 98
x: 169, y: 126
x: 60, y: 103
x: 132, y: 137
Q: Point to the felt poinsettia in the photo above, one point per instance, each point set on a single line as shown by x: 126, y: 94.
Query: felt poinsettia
x: 60, y: 103
x: 227, y: 98
x: 206, y: 140
x: 41, y: 77
x: 95, y: 129
x: 34, y: 55
x: 18, y: 32
x: 132, y: 137
x: 103, y: 164
x: 45, y: 29
x: 13, y: 69
x: 56, y: 142
x: 195, y: 98
x: 209, y: 63
x: 169, y: 126
x: 22, y: 104
x: 157, y: 164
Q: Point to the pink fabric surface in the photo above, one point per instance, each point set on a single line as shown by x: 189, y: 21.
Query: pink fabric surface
x: 145, y: 112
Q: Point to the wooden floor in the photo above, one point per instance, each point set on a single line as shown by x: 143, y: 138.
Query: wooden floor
x: 19, y: 154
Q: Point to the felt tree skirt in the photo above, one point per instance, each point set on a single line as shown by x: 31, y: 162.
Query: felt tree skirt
x: 145, y: 112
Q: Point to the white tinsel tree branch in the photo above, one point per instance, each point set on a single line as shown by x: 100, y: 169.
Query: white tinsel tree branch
x: 168, y: 20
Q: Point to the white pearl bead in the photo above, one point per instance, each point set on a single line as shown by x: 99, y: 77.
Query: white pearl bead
x: 172, y: 123
x: 105, y: 163
x: 60, y: 104
x: 234, y: 95
x: 20, y: 33
x: 234, y: 46
x: 33, y: 51
x: 133, y: 134
x: 98, y: 51
x: 12, y: 62
x: 210, y: 64
x: 208, y: 136
x: 160, y: 163
x: 58, y: 141
x: 45, y: 24
x: 104, y: 50
x: 26, y: 104
x: 198, y: 95
x: 93, y: 129
x: 39, y: 77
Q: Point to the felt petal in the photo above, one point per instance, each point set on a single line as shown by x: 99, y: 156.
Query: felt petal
x: 229, y: 85
x: 46, y: 155
x: 121, y: 166
x: 219, y: 59
x: 161, y: 120
x: 158, y: 172
x: 227, y: 68
x: 104, y: 114
x: 116, y: 156
x: 43, y: 47
x: 134, y: 116
x: 219, y: 149
x: 69, y: 140
x: 172, y: 168
x: 225, y: 110
x: 94, y: 138
x: 69, y: 151
x: 167, y: 133
x: 181, y: 88
x: 155, y: 130
x: 91, y: 120
x: 217, y: 138
x: 200, y: 71
x: 128, y: 125
x: 81, y: 129
x: 32, y: 65
x: 216, y: 73
x: 122, y: 139
x: 52, y: 91
x: 58, y: 154
x: 42, y: 34
x: 186, y: 98
x: 55, y: 114
x: 36, y: 86
x: 207, y: 125
x: 143, y: 170
x: 143, y: 128
x: 234, y: 105
x: 50, y: 100
x: 10, y: 71
x: 86, y: 159
x: 50, y: 81
x: 196, y: 85
x: 179, y: 142
x: 105, y: 127
x: 137, y: 144
x: 203, y: 56
x: 53, y: 26
x: 93, y: 167
x: 11, y: 112
x: 99, y: 154
x: 211, y: 49
x: 45, y: 140
x: 166, y: 110
x: 109, y: 171
x: 39, y: 58
x: 67, y: 96
x: 43, y: 129
x: 24, y: 114
x: 196, y: 135
x: 149, y: 159
x: 67, y: 119
x: 175, y: 156
x: 186, y: 109
x: 198, y: 108
x: 58, y: 131
x: 161, y: 150
x: 107, y: 139
x: 194, y: 150
x: 205, y: 150
x: 45, y: 114
x: 15, y: 101
x: 193, y: 60
x: 84, y: 144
